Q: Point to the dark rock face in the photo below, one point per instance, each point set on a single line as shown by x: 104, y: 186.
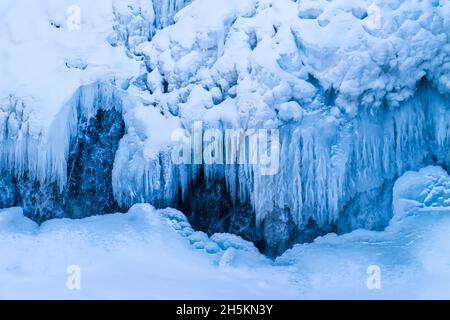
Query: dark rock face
x: 89, y: 186
x: 278, y: 233
x: 91, y: 159
x: 9, y: 192
x: 40, y: 201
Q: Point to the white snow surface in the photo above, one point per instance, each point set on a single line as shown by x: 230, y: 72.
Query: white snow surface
x: 150, y: 253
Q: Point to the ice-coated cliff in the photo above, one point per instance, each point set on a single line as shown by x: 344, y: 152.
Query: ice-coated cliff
x: 359, y: 91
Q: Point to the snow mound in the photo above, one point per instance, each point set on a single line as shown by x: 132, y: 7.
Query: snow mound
x: 427, y: 189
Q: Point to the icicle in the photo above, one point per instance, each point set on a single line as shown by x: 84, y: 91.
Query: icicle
x: 165, y: 11
x: 325, y: 164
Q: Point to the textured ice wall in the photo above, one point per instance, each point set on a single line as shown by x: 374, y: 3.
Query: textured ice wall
x: 165, y: 11
x: 93, y: 126
x: 136, y: 21
x: 335, y: 175
x: 49, y: 50
x: 359, y: 94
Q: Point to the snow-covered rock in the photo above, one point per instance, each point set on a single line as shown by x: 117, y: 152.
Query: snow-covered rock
x: 426, y: 190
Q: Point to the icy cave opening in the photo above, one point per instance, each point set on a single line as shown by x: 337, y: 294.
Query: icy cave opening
x: 211, y: 208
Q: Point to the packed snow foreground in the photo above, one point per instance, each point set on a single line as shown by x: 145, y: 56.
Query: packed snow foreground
x: 149, y: 253
x: 94, y: 96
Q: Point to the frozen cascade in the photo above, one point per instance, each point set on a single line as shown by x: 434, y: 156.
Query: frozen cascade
x: 35, y: 123
x: 345, y: 87
x: 336, y: 175
x: 165, y: 11
x: 137, y: 21
x: 353, y: 114
x: 92, y: 118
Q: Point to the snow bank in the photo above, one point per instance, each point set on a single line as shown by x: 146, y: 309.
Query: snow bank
x: 150, y: 253
x: 143, y: 254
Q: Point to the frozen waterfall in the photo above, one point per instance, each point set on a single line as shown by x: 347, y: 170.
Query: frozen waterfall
x: 87, y: 115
